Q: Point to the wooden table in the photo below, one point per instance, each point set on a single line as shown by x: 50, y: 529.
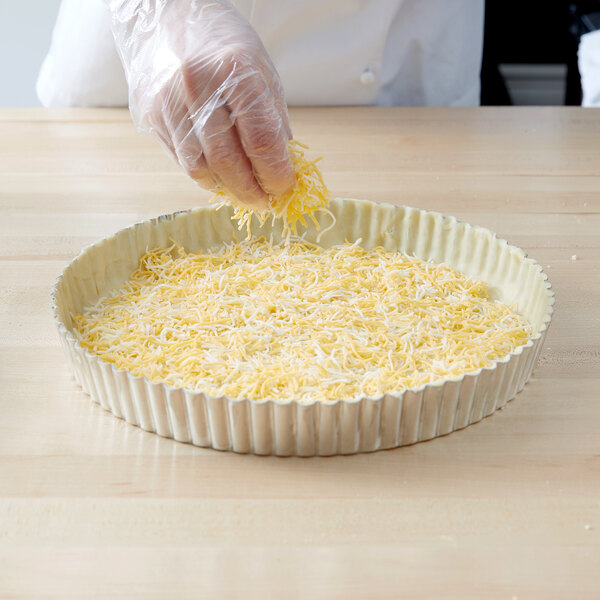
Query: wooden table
x: 509, y: 508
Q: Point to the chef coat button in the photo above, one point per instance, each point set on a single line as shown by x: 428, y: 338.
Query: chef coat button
x: 367, y: 77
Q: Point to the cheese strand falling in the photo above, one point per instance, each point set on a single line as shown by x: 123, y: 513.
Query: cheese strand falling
x: 308, y: 196
x: 298, y: 322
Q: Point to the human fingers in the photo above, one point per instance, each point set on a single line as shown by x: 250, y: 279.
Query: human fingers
x: 264, y: 136
x: 227, y: 160
x: 187, y: 147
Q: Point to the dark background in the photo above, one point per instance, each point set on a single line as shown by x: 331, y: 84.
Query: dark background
x: 530, y: 50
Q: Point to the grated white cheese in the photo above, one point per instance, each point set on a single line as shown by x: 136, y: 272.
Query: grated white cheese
x: 298, y: 322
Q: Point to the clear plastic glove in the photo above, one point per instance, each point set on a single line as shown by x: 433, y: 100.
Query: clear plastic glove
x: 202, y: 82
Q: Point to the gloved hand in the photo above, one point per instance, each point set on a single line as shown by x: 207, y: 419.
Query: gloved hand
x: 201, y: 81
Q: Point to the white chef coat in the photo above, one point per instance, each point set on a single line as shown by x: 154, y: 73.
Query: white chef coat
x: 327, y: 52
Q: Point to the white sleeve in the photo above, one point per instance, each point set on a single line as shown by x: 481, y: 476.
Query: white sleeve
x: 82, y: 67
x: 589, y: 68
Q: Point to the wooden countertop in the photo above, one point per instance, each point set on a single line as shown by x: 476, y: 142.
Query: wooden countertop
x: 508, y: 508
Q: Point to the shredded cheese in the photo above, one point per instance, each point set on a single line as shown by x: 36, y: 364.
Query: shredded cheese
x: 298, y: 322
x: 308, y: 196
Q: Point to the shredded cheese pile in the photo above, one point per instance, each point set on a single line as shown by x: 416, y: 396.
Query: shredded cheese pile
x: 296, y: 321
x: 308, y: 196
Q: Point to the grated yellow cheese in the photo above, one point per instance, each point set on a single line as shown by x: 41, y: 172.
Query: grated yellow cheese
x: 308, y: 196
x: 298, y: 322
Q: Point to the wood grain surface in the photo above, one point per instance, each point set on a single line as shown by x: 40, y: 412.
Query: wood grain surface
x: 508, y: 508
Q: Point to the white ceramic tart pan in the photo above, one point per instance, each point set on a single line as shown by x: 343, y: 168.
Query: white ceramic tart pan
x: 318, y: 428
